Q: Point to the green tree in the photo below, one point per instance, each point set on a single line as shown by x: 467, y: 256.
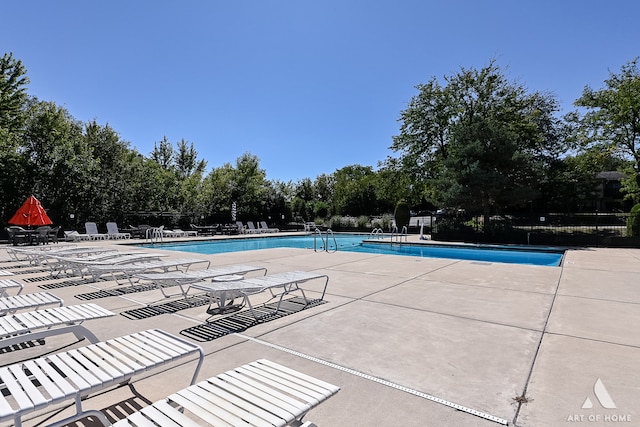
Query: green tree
x: 612, y: 117
x: 13, y: 105
x: 59, y: 165
x: 354, y: 191
x: 249, y: 187
x: 480, y: 142
x: 13, y: 94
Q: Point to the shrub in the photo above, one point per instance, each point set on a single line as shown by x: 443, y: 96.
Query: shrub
x: 402, y: 214
x: 633, y: 222
x: 321, y: 209
x: 335, y: 222
x: 362, y: 221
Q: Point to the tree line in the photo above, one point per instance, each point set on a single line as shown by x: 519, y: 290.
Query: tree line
x: 474, y: 140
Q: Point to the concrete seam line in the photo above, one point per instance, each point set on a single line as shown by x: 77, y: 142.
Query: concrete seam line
x: 380, y: 381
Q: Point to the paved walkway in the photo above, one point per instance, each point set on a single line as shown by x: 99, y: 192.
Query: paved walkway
x: 419, y: 341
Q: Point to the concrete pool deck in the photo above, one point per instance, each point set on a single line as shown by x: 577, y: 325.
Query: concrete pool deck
x: 407, y: 339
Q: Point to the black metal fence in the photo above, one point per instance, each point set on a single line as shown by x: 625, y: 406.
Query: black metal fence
x: 581, y: 229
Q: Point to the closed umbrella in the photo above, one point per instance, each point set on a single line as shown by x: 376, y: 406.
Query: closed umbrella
x: 30, y: 214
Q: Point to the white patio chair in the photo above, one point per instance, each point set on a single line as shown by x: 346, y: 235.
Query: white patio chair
x: 92, y: 231
x: 114, y: 233
x: 251, y: 229
x: 266, y: 229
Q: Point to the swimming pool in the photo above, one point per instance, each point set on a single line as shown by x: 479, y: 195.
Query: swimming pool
x: 354, y: 243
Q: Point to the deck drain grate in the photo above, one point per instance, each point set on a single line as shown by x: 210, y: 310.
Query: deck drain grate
x: 242, y: 320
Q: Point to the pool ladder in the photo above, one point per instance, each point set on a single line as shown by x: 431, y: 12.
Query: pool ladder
x: 324, y: 240
x: 399, y: 235
x: 377, y: 233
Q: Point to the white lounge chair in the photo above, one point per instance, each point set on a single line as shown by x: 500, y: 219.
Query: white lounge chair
x: 266, y: 229
x: 76, y: 373
x: 32, y: 254
x: 288, y: 282
x: 188, y: 233
x: 6, y: 284
x: 34, y: 325
x: 114, y: 233
x: 129, y: 269
x: 78, y: 265
x: 35, y: 300
x: 74, y: 236
x: 183, y: 279
x: 258, y: 393
x: 92, y: 231
x: 251, y: 229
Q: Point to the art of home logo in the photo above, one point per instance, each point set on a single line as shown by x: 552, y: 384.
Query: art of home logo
x: 602, y: 402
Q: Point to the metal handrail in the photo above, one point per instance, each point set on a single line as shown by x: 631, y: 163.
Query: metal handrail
x: 154, y: 234
x: 399, y: 235
x: 325, y: 240
x: 377, y: 233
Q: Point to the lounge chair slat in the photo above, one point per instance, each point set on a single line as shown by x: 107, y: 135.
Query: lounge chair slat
x: 83, y: 376
x: 30, y: 390
x: 168, y: 416
x: 230, y: 406
x: 256, y: 396
x: 17, y: 391
x: 285, y: 384
x: 193, y: 399
x: 54, y: 388
x: 329, y: 388
x: 136, y: 419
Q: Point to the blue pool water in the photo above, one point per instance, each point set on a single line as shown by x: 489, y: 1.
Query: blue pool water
x: 354, y: 243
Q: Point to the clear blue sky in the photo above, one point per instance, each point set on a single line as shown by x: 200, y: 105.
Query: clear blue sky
x: 307, y: 86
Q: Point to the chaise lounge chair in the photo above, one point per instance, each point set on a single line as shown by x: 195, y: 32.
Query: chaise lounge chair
x: 92, y: 231
x: 265, y: 228
x: 35, y: 300
x: 114, y: 233
x: 258, y: 393
x: 183, y: 279
x: 129, y: 269
x: 35, y: 325
x: 74, y: 236
x: 251, y: 229
x: 288, y: 283
x: 31, y: 385
x: 78, y: 265
x: 188, y: 233
x: 6, y: 284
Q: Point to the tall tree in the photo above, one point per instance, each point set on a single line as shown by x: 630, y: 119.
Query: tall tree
x: 480, y: 141
x: 13, y: 103
x: 612, y: 117
x: 354, y: 191
x: 13, y: 94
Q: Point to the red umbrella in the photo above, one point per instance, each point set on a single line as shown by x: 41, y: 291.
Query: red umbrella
x: 31, y: 213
